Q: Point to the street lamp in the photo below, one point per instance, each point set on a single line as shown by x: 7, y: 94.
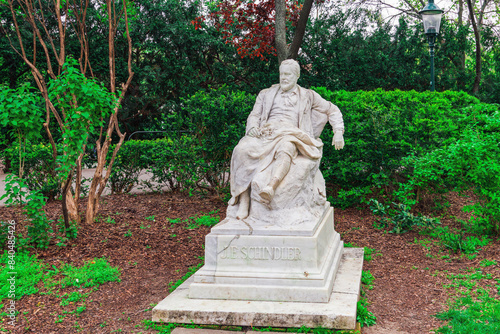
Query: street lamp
x: 431, y: 16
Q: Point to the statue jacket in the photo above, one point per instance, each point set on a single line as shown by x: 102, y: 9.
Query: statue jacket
x: 314, y: 111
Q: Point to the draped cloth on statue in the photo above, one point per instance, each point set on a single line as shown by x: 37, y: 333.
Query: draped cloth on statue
x: 254, y: 155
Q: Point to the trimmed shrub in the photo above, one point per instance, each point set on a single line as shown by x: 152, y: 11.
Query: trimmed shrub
x: 133, y: 157
x: 39, y: 168
x: 382, y: 128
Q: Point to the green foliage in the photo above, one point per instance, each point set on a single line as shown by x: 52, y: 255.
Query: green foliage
x: 85, y: 105
x: 470, y: 162
x: 28, y: 273
x: 133, y: 157
x: 21, y: 109
x: 382, y: 128
x: 472, y: 316
x: 363, y: 316
x: 177, y: 164
x: 205, y: 220
x: 39, y: 228
x: 457, y: 242
x: 68, y: 233
x: 39, y: 168
x: 399, y: 216
x: 198, y: 160
x: 74, y: 296
x: 217, y: 120
x: 487, y: 263
x: 33, y: 276
x: 367, y: 278
x: 16, y: 192
x: 92, y: 274
x: 366, y: 281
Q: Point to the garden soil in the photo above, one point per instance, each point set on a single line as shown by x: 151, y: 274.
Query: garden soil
x: 407, y: 292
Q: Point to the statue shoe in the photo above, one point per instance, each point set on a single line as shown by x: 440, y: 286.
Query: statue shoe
x: 267, y: 194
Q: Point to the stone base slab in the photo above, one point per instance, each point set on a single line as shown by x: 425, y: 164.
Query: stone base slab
x: 338, y: 313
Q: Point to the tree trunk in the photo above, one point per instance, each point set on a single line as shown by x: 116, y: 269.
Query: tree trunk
x: 99, y: 181
x: 477, y: 35
x: 280, y: 30
x: 69, y: 207
x: 301, y: 29
x: 460, y: 23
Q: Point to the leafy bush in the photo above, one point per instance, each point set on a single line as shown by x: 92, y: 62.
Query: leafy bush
x: 471, y: 162
x: 177, y: 164
x: 217, y: 119
x: 197, y: 160
x: 39, y: 168
x: 383, y: 127
x: 399, y: 216
x: 133, y: 157
x: 16, y: 192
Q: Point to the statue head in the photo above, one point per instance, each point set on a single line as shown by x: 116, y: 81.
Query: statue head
x: 289, y: 74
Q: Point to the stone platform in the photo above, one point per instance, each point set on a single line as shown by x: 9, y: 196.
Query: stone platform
x: 338, y: 313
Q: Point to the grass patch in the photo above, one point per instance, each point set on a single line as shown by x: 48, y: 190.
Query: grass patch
x: 34, y: 276
x: 194, y: 222
x: 28, y: 273
x: 189, y: 273
x: 469, y: 315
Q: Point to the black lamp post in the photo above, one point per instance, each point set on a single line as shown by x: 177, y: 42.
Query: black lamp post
x: 431, y: 16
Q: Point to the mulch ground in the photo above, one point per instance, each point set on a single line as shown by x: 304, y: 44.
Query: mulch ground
x: 408, y: 288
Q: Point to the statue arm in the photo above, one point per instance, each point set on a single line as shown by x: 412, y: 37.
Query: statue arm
x: 334, y: 118
x: 253, y: 120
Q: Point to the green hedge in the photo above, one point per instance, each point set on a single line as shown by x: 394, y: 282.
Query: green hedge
x: 383, y: 127
x: 398, y: 142
x: 39, y: 172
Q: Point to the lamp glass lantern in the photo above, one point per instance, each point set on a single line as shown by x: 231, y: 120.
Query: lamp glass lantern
x: 431, y: 17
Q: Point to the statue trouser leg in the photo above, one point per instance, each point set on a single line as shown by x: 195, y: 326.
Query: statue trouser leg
x: 282, y: 166
x: 244, y: 207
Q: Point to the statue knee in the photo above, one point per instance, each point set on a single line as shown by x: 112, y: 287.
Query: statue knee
x: 286, y: 149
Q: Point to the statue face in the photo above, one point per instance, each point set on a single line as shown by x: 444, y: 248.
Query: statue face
x: 288, y: 78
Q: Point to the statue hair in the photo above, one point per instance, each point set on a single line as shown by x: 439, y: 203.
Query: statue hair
x: 294, y: 64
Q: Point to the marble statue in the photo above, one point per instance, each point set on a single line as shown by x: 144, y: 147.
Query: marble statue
x: 277, y: 248
x: 275, y: 165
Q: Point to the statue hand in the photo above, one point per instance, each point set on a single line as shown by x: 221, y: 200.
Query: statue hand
x: 338, y: 140
x: 253, y: 132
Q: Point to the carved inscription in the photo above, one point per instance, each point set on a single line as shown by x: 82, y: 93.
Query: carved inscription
x: 261, y: 253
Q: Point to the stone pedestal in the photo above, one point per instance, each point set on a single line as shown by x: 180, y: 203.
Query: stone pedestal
x: 338, y: 313
x: 269, y: 263
x: 261, y: 274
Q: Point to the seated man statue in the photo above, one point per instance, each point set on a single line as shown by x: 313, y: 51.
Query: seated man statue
x: 283, y: 127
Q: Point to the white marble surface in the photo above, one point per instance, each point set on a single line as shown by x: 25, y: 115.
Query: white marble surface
x: 338, y: 313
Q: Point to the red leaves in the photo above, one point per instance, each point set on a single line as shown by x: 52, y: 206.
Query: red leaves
x: 197, y: 22
x: 249, y: 25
